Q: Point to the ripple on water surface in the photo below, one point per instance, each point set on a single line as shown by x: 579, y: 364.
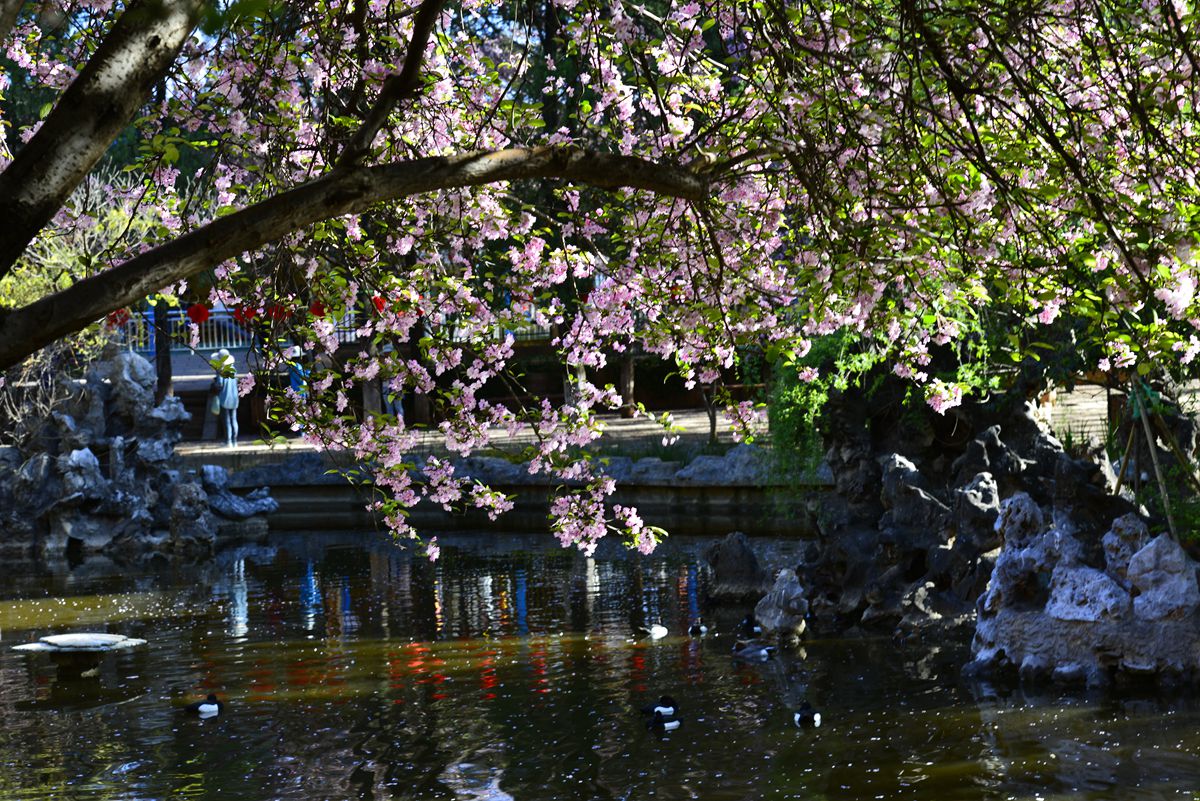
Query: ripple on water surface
x: 508, y: 670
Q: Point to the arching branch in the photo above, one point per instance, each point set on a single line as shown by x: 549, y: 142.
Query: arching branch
x: 354, y: 190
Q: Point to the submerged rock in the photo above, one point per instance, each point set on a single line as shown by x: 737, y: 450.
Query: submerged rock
x: 737, y: 574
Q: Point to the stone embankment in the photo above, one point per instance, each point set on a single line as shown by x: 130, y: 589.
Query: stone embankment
x: 707, y: 495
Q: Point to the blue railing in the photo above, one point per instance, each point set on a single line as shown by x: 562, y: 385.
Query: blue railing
x: 220, y: 330
x: 223, y: 330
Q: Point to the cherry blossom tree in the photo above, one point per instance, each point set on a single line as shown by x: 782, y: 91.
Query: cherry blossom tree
x: 684, y: 178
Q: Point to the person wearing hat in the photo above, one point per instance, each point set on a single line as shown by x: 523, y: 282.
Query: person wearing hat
x: 225, y: 392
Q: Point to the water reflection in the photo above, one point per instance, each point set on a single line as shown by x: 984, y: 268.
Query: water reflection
x: 508, y: 670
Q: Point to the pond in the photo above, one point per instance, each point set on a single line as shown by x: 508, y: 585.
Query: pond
x: 509, y: 669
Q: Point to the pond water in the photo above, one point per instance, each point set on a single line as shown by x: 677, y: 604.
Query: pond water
x: 353, y: 669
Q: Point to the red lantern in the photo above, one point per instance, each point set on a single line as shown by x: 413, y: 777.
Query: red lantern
x: 317, y: 309
x: 198, y: 313
x: 276, y: 311
x: 244, y: 314
x: 380, y: 304
x: 116, y: 319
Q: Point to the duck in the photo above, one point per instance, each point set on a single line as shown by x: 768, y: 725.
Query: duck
x: 750, y: 626
x: 698, y: 629
x: 805, y: 717
x: 663, y: 723
x: 208, y: 708
x: 752, y: 651
x: 655, y: 632
x: 666, y: 707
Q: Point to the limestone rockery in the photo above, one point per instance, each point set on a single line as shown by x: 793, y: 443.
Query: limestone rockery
x: 908, y: 535
x: 1061, y: 610
x: 100, y: 476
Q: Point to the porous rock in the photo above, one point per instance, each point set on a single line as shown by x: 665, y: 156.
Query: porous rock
x: 1166, y: 579
x: 100, y: 474
x: 976, y: 507
x: 1127, y: 536
x: 1087, y: 625
x: 783, y: 610
x: 1084, y: 593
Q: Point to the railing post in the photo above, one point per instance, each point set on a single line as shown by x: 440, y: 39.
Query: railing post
x: 161, y: 337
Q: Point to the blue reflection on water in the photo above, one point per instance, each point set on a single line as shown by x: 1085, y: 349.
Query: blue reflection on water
x: 522, y: 609
x: 310, y: 596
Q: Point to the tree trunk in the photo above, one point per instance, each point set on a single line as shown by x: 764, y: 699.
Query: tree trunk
x: 626, y: 384
x: 710, y: 407
x: 575, y: 374
x: 137, y: 51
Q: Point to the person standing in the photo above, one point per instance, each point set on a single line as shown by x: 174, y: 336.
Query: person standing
x: 225, y: 387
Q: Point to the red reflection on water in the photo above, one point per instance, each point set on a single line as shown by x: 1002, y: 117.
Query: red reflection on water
x: 262, y: 680
x: 487, y: 674
x: 298, y: 672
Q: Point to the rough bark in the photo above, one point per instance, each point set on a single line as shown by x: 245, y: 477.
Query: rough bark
x: 626, y: 384
x: 97, y: 106
x: 24, y: 331
x: 9, y: 9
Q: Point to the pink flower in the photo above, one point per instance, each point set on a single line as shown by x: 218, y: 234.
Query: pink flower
x: 942, y: 396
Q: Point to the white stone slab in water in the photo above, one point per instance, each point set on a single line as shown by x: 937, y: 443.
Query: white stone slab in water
x: 93, y: 642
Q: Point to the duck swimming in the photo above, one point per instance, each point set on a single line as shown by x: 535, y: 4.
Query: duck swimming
x: 698, y: 629
x: 663, y: 723
x: 666, y: 707
x: 806, y: 717
x: 752, y: 651
x: 208, y: 708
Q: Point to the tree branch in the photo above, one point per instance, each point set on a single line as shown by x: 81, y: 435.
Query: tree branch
x: 397, y: 87
x: 349, y: 191
x: 96, y: 107
x: 9, y: 9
